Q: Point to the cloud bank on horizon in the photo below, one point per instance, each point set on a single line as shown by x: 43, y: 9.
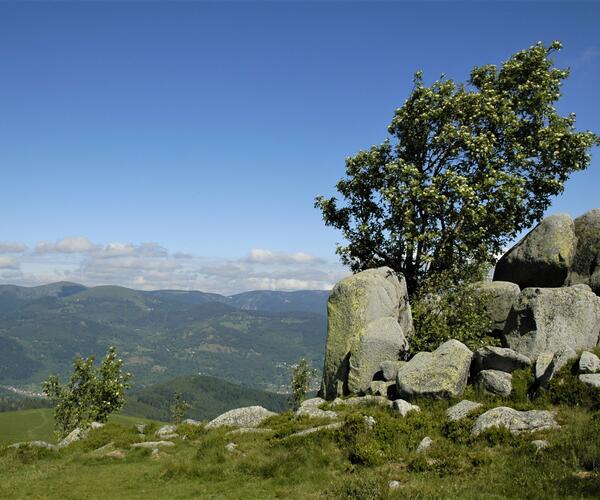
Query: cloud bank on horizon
x: 151, y: 266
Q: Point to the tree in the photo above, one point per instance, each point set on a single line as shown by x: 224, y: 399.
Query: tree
x: 301, y: 378
x: 178, y: 408
x: 468, y: 166
x: 91, y: 394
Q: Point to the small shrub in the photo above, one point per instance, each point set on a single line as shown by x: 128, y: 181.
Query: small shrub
x: 362, y: 486
x: 178, y: 408
x: 565, y: 388
x: 301, y: 378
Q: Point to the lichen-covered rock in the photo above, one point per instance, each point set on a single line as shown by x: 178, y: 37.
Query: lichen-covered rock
x: 495, y: 382
x: 381, y: 387
x: 547, y: 319
x: 500, y: 297
x: 439, y: 374
x: 586, y: 262
x: 591, y: 379
x: 515, y: 421
x: 355, y: 348
x: 362, y: 400
x: 249, y: 416
x: 34, y: 444
x: 404, y: 407
x: 75, y: 435
x: 382, y: 337
x: 462, y: 409
x: 545, y: 370
x: 389, y: 369
x: 425, y: 444
x: 588, y: 362
x: 310, y: 408
x: 499, y: 358
x: 543, y: 257
x: 167, y: 432
x: 154, y: 445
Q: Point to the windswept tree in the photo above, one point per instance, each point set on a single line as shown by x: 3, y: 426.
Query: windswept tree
x: 91, y: 394
x: 467, y: 167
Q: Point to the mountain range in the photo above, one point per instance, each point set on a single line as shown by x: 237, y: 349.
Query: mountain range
x: 252, y: 338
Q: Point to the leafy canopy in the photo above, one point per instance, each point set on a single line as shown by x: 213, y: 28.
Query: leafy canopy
x: 467, y: 167
x: 91, y: 393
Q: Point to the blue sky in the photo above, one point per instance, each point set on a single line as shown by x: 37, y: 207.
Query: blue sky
x: 181, y: 144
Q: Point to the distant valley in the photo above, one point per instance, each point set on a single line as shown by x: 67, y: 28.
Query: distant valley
x: 251, y: 338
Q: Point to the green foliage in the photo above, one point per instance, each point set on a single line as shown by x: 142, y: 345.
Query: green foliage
x: 468, y: 167
x: 565, y: 388
x: 302, y: 376
x: 444, y: 309
x: 178, y: 408
x: 91, y: 394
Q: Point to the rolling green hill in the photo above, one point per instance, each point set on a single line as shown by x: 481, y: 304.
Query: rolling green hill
x: 208, y: 397
x: 251, y: 339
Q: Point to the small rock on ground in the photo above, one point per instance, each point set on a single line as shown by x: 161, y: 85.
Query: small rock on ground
x: 540, y: 444
x: 462, y: 409
x: 425, y: 444
x: 591, y: 379
x: 311, y: 430
x: 404, y: 407
x: 230, y: 446
x: 589, y: 362
x: 151, y: 445
x: 515, y: 421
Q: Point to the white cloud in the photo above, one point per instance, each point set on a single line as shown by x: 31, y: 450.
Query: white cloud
x: 262, y: 256
x: 9, y: 263
x: 12, y: 247
x: 72, y: 244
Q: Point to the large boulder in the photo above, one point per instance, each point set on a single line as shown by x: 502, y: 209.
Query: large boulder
x: 548, y: 319
x: 500, y: 297
x: 439, y: 374
x: 515, y: 421
x: 543, y: 257
x: 586, y: 263
x: 499, y: 358
x: 462, y: 409
x: 250, y: 416
x: 368, y: 321
x: 549, y: 364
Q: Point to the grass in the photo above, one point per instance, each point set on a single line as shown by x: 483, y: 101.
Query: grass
x: 38, y: 424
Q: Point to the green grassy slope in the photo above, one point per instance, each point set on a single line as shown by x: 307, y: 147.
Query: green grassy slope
x: 38, y: 424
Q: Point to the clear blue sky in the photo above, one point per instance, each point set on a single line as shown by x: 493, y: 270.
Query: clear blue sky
x: 208, y: 128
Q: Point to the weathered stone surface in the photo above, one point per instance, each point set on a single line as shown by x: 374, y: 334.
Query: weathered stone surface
x: 249, y: 416
x: 96, y: 425
x: 389, y: 369
x: 167, y: 432
x: 141, y: 428
x: 311, y: 430
x: 500, y: 297
x: 380, y: 387
x: 540, y: 444
x: 382, y: 339
x: 547, y: 319
x: 362, y: 400
x: 586, y: 263
x: 543, y: 257
x: 499, y: 358
x: 462, y: 409
x: 559, y: 359
x: 369, y: 421
x: 35, y: 444
x: 404, y: 407
x: 310, y: 408
x: 75, y: 435
x: 191, y: 421
x: 592, y: 379
x: 542, y: 364
x: 496, y: 382
x: 250, y: 430
x: 515, y: 421
x: 425, y: 444
x: 104, y: 449
x: 152, y: 445
x: 356, y: 302
x: 231, y: 447
x: 438, y: 374
x: 589, y: 362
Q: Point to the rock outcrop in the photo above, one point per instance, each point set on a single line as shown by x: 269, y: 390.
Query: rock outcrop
x: 548, y: 319
x: 586, y: 263
x: 369, y: 321
x: 499, y: 358
x: 438, y: 374
x: 500, y: 297
x: 543, y: 257
x: 462, y: 409
x: 249, y: 416
x: 515, y: 421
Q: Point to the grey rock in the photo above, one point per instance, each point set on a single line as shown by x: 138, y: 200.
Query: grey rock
x: 439, y: 374
x: 104, y: 449
x: 500, y: 297
x: 369, y: 421
x: 191, y: 421
x: 515, y: 421
x: 589, y: 362
x: 96, y: 425
x: 315, y: 412
x: 380, y: 387
x: 404, y: 407
x: 559, y: 359
x: 141, y: 428
x: 499, y: 358
x: 362, y: 400
x: 75, y: 435
x: 250, y: 416
x: 540, y: 444
x: 394, y: 485
x: 35, y: 444
x: 152, y: 445
x: 543, y: 257
x: 542, y: 365
x: 586, y: 262
x: 389, y: 369
x: 312, y: 430
x: 547, y: 319
x: 167, y: 432
x: 354, y: 303
x: 382, y: 338
x: 315, y: 402
x: 462, y: 409
x: 591, y: 379
x: 496, y: 382
x: 230, y: 447
x: 425, y: 444
x: 250, y: 430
